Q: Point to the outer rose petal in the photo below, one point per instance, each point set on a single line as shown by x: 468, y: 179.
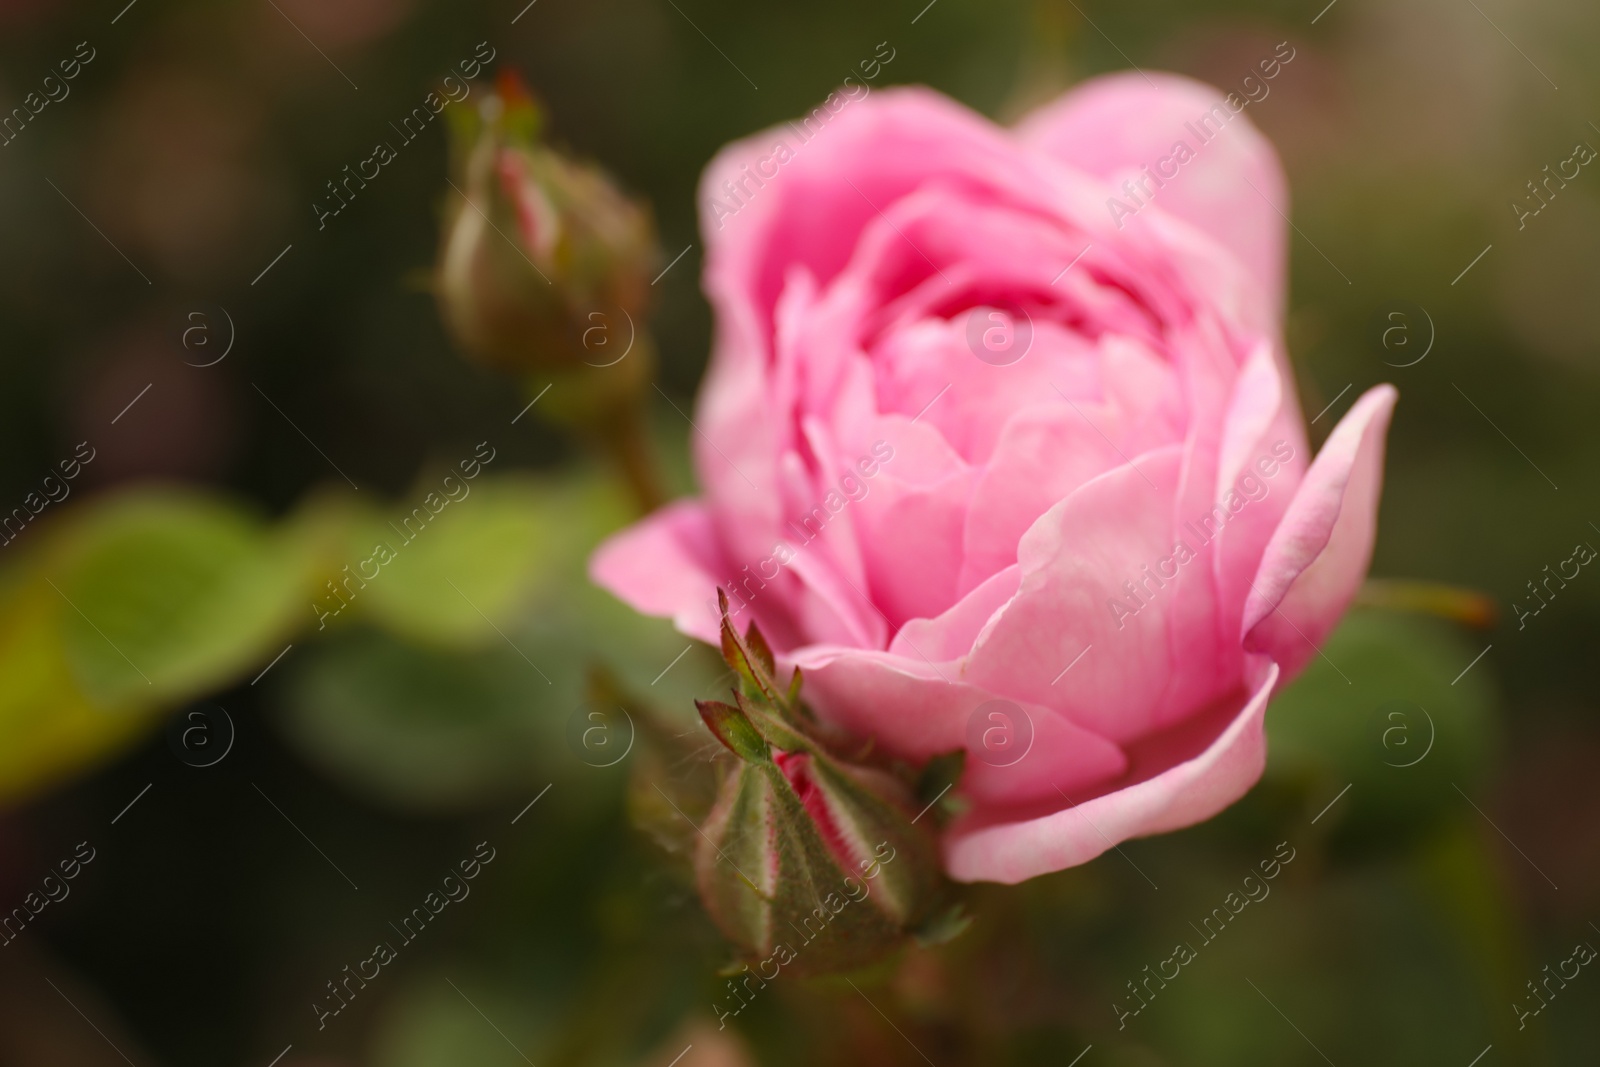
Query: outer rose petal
x: 1114, y: 125
x: 920, y: 709
x: 1181, y: 795
x: 665, y: 564
x: 1319, y: 553
x: 1261, y: 414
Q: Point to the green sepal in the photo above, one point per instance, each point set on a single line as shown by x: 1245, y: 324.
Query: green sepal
x: 944, y: 926
x: 733, y: 728
x: 935, y: 782
x: 754, y: 664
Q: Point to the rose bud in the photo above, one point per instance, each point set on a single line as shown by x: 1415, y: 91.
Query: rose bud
x: 807, y: 863
x: 544, y: 264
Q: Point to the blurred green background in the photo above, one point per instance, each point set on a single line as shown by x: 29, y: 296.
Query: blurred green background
x: 372, y: 757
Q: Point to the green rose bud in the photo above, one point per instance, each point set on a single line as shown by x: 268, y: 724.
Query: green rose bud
x: 809, y: 861
x: 544, y: 264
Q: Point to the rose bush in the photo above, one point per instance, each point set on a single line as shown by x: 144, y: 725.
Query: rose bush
x: 1130, y: 498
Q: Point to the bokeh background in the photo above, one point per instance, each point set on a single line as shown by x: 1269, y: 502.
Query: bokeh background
x: 373, y: 756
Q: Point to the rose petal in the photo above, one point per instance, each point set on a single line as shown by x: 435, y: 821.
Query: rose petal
x: 919, y: 709
x: 1044, y: 454
x: 1318, y: 556
x: 1262, y: 427
x: 1232, y: 189
x: 1055, y: 442
x: 1075, y: 561
x: 669, y: 563
x: 1194, y: 605
x: 910, y: 520
x: 951, y: 635
x: 867, y: 154
x: 1181, y: 794
x: 912, y: 546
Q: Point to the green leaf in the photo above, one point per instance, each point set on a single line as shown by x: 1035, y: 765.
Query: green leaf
x: 1400, y: 732
x: 458, y: 572
x: 173, y: 594
x: 48, y: 728
x: 437, y: 1020
x: 424, y: 728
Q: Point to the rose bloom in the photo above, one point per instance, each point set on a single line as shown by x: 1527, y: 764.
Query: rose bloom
x: 1096, y: 508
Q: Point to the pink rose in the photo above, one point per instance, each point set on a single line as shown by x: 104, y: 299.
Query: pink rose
x: 1117, y: 534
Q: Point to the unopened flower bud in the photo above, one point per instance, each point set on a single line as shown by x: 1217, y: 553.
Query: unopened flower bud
x: 545, y: 264
x: 808, y: 861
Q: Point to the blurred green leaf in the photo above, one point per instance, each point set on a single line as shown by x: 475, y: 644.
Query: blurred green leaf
x: 1380, y: 956
x: 1402, y: 731
x: 1457, y: 871
x: 174, y: 593
x: 457, y: 575
x: 422, y: 727
x: 446, y: 1022
x: 48, y: 727
x: 448, y: 708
